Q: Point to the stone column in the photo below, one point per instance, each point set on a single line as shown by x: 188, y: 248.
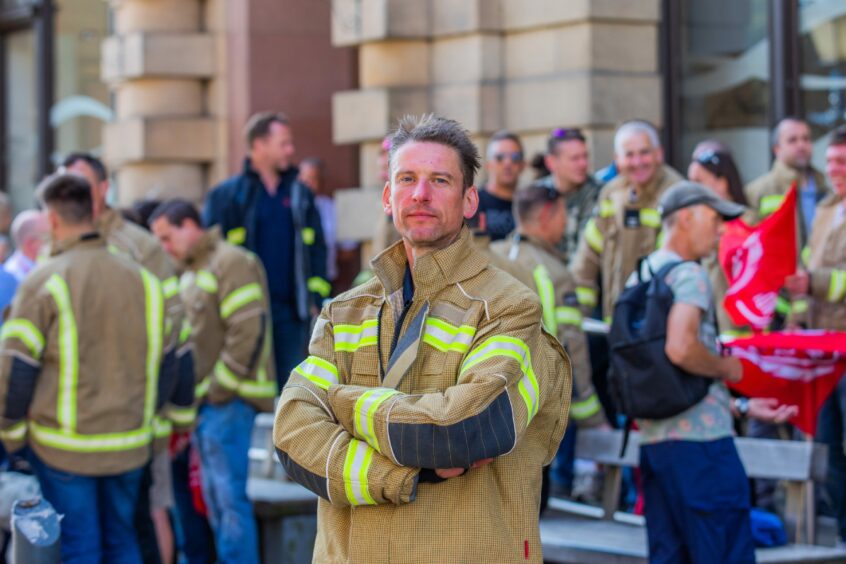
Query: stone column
x: 159, y: 65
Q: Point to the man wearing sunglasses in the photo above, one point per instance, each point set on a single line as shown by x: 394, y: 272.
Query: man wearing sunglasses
x: 505, y: 163
x: 568, y: 161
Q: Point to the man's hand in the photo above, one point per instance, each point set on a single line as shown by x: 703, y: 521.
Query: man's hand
x: 732, y: 369
x: 798, y: 284
x: 768, y: 409
x: 447, y: 473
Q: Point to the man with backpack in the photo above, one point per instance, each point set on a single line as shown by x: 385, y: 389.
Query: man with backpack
x: 696, y: 492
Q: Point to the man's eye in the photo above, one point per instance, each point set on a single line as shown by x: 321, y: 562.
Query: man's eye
x: 441, y: 181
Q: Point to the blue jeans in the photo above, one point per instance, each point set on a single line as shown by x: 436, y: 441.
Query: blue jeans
x: 98, y: 523
x: 290, y: 339
x: 696, y: 503
x: 223, y: 441
x: 193, y: 532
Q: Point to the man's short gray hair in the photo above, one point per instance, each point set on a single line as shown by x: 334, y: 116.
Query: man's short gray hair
x: 26, y: 225
x: 635, y: 127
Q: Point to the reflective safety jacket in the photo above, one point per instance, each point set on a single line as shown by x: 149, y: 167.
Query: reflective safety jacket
x: 766, y: 193
x: 624, y: 227
x: 482, y: 379
x: 80, y: 360
x: 543, y: 268
x: 827, y: 267
x: 225, y: 293
x: 176, y: 383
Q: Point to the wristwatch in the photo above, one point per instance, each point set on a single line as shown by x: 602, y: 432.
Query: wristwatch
x: 742, y: 406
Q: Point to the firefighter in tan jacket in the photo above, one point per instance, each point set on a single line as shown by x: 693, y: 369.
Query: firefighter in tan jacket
x: 432, y: 397
x: 225, y: 293
x: 824, y: 282
x: 79, y: 373
x: 626, y: 223
x: 532, y: 251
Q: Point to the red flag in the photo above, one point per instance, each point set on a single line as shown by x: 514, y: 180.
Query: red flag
x: 756, y: 262
x: 798, y: 368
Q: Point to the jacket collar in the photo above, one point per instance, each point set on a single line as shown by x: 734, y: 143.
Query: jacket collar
x: 535, y: 242
x: 200, y: 253
x: 108, y: 221
x: 90, y: 240
x: 787, y: 175
x: 433, y: 272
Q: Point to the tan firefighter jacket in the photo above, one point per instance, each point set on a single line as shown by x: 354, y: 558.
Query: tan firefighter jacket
x: 176, y: 392
x: 542, y: 267
x: 80, y: 360
x: 484, y: 380
x: 225, y: 293
x: 623, y: 229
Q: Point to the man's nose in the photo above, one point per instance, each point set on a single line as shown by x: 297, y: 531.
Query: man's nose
x: 422, y: 190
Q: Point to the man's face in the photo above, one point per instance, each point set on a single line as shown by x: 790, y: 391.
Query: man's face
x: 276, y: 148
x: 505, y: 163
x: 705, y: 228
x: 639, y: 161
x: 569, y: 162
x: 38, y: 237
x: 99, y: 188
x: 177, y: 241
x: 310, y: 176
x: 794, y: 147
x: 425, y: 195
x: 835, y: 168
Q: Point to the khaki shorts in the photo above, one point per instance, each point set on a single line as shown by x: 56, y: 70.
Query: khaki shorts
x: 161, y: 490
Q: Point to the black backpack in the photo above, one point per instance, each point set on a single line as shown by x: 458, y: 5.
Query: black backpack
x: 642, y: 380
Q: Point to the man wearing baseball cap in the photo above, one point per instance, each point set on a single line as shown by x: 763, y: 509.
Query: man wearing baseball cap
x: 696, y: 493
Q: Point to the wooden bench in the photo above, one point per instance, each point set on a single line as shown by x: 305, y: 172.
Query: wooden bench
x: 286, y: 511
x: 575, y: 532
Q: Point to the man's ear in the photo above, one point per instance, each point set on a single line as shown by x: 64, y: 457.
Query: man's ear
x: 386, y: 199
x: 471, y: 202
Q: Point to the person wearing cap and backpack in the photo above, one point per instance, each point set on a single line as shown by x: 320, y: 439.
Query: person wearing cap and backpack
x: 696, y: 492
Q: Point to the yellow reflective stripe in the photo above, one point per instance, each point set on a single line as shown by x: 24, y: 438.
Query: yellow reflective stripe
x: 104, y: 442
x: 770, y: 203
x: 587, y: 296
x: 447, y: 337
x: 207, y: 281
x: 515, y: 349
x: 659, y: 240
x: 16, y: 432
x: 308, y: 235
x: 319, y: 286
x: 356, y: 464
x: 225, y: 377
x: 350, y: 338
x: 364, y: 411
x: 805, y: 255
x: 154, y: 306
x: 68, y: 354
x: 546, y: 292
x: 236, y: 236
x: 26, y: 332
x: 567, y: 315
x: 162, y: 428
x: 650, y: 218
x: 319, y: 372
x: 185, y: 331
x: 170, y: 287
x: 593, y: 236
x: 799, y: 306
x: 837, y: 285
x: 585, y: 408
x: 607, y: 319
x: 606, y: 208
x: 247, y: 388
x: 183, y: 416
x: 201, y: 389
x: 239, y: 298
x: 782, y: 305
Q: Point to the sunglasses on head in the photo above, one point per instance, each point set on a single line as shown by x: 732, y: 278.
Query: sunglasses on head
x: 516, y: 157
x: 567, y: 134
x: 709, y: 157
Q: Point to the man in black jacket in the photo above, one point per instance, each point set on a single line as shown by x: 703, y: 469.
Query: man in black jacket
x: 268, y: 211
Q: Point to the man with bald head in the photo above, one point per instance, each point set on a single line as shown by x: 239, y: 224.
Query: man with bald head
x: 793, y: 148
x: 29, y: 231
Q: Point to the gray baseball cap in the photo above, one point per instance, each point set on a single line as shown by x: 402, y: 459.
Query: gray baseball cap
x: 685, y: 194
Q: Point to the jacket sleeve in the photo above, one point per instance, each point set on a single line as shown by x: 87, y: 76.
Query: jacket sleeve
x: 585, y: 407
x: 318, y: 452
x: 244, y: 312
x: 22, y: 341
x: 315, y: 242
x: 585, y: 265
x: 509, y: 375
x: 828, y: 284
